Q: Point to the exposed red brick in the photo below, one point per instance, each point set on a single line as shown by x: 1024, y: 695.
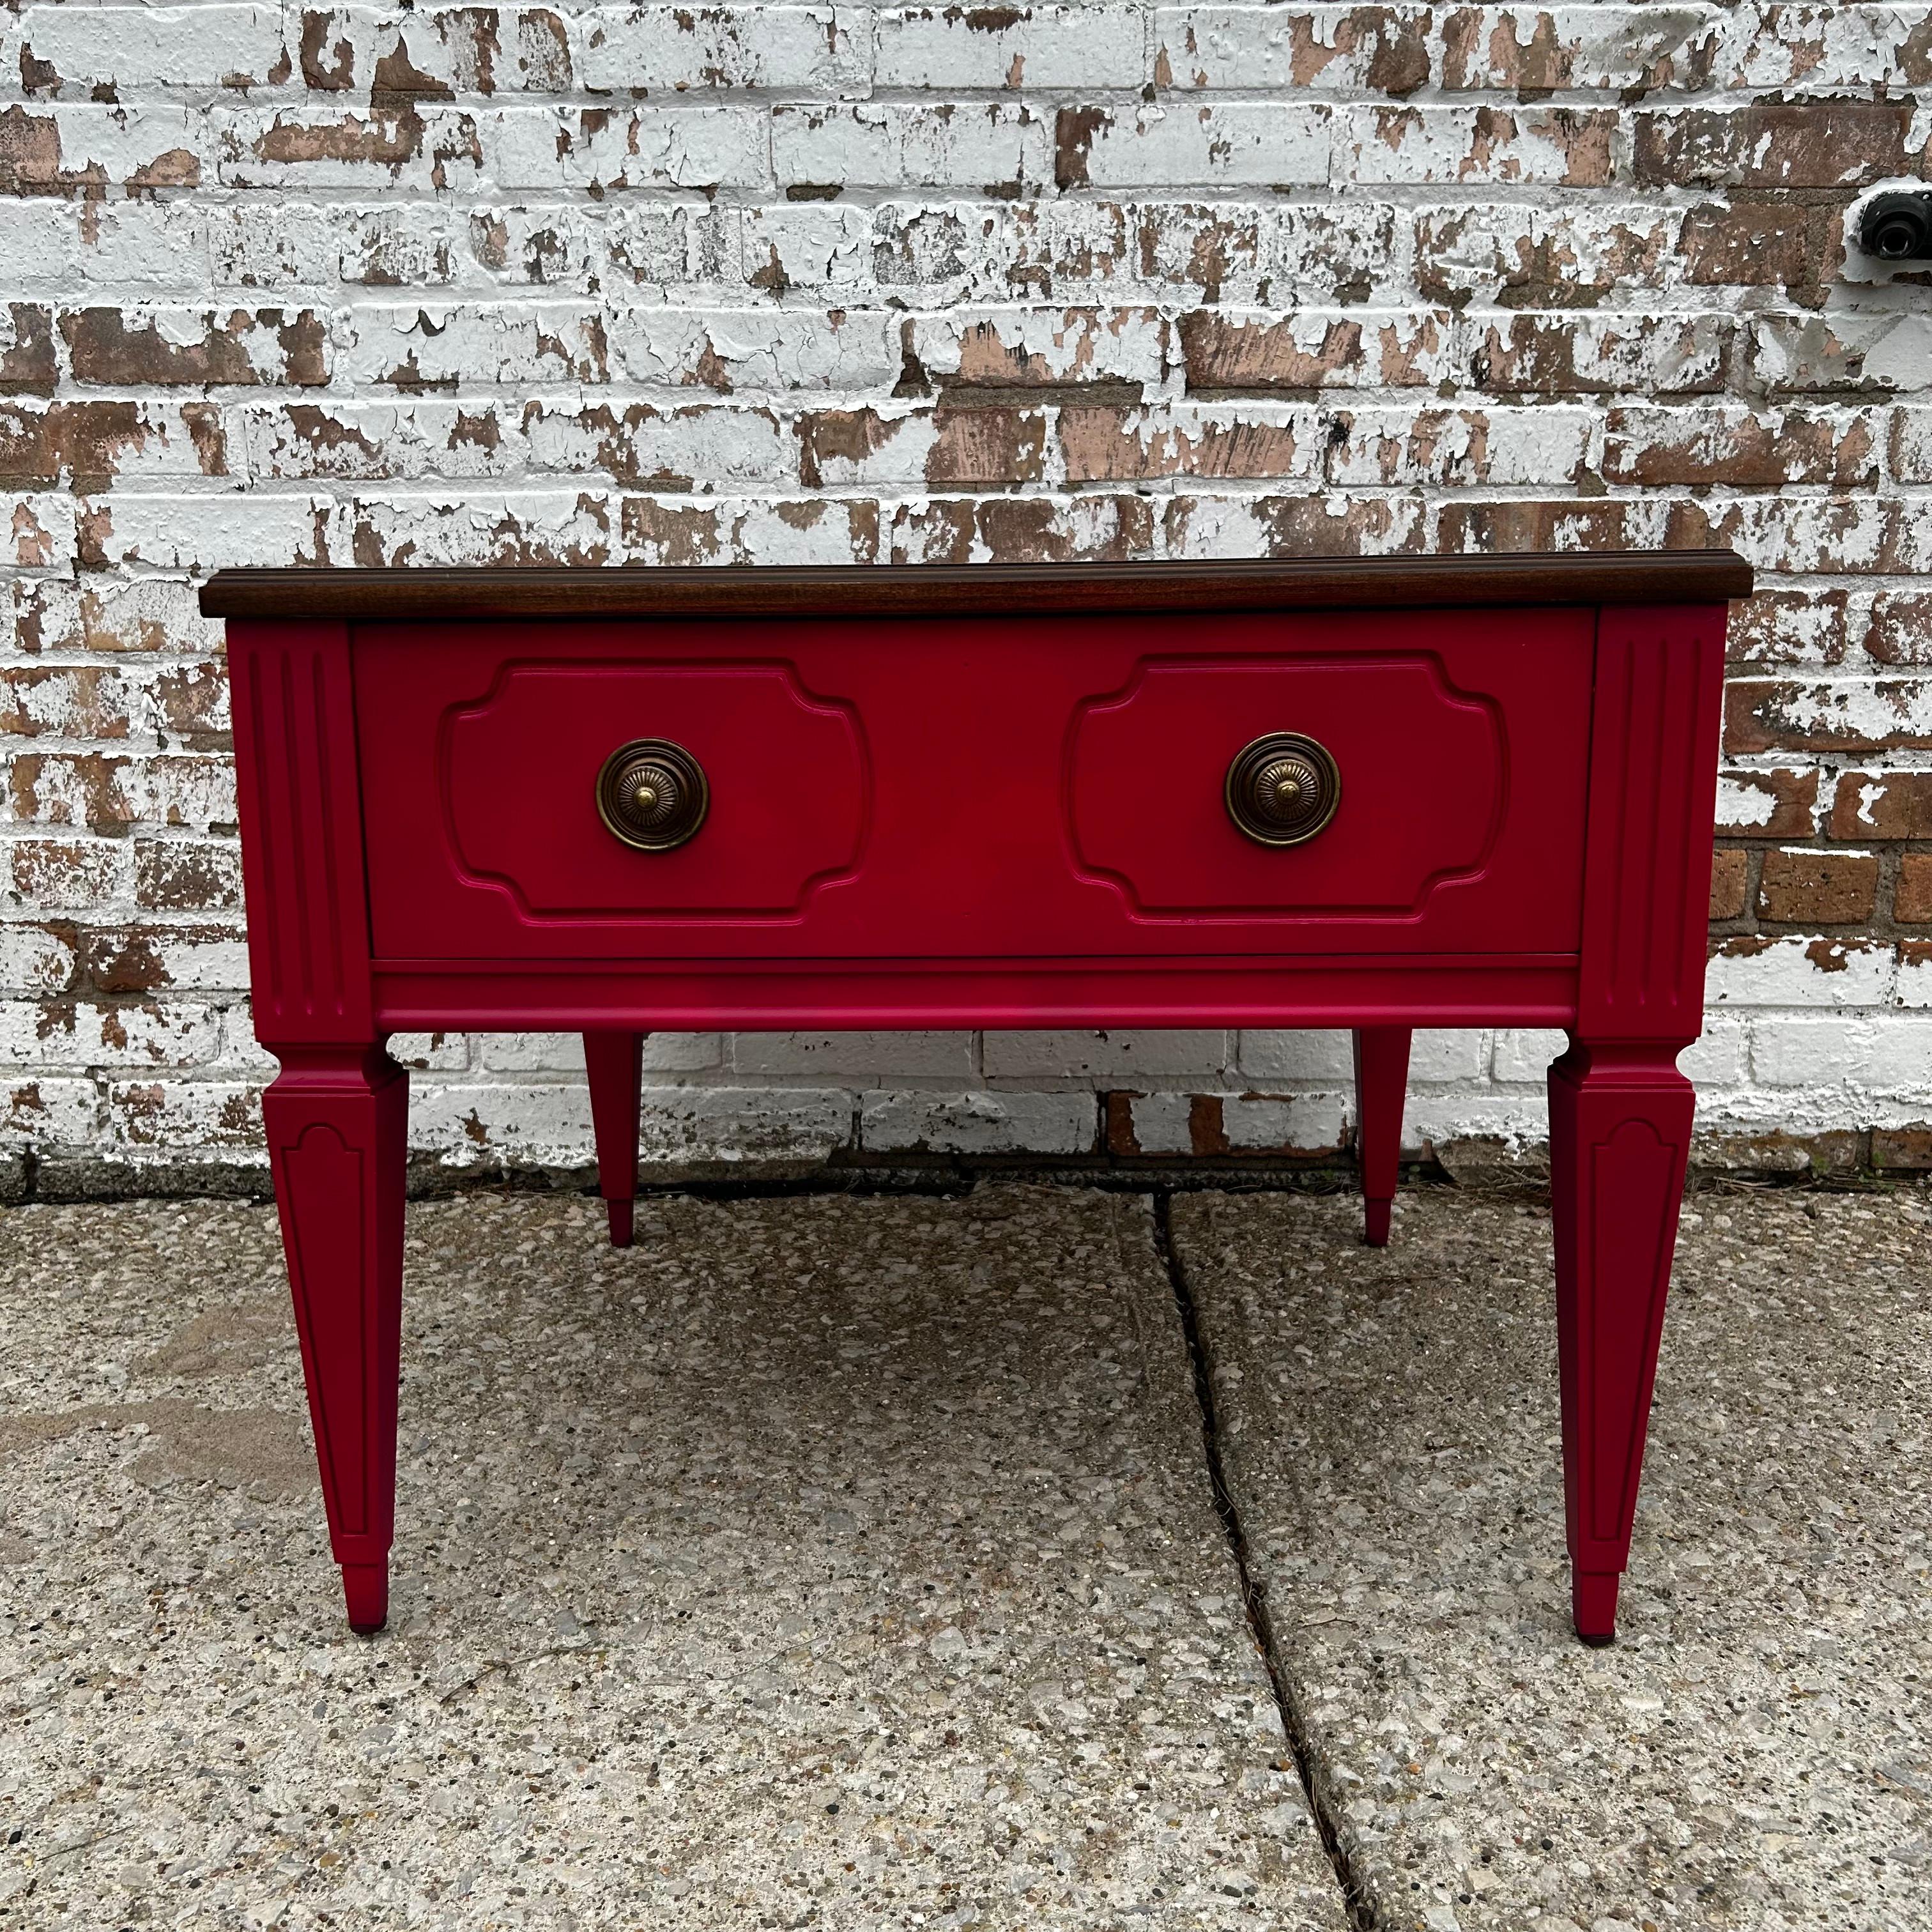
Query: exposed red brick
x: 1658, y: 449
x: 30, y: 151
x: 104, y: 348
x: 1789, y: 627
x: 1815, y: 888
x: 1101, y: 444
x: 1912, y: 892
x: 1749, y: 244
x: 1901, y: 628
x: 1539, y: 355
x: 1883, y: 805
x: 70, y: 701
x: 1793, y: 797
x: 28, y: 368
x: 1768, y: 715
x: 172, y: 876
x: 1074, y: 130
x: 999, y: 447
x: 1729, y: 884
x: 1555, y: 267
x: 192, y: 701
x: 1902, y: 1149
x: 328, y: 65
x: 1808, y: 144
x: 1222, y: 353
x: 1207, y: 1132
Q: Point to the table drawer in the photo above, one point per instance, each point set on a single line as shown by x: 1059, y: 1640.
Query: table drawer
x: 976, y: 788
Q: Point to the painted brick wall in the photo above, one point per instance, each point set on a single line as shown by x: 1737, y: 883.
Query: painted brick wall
x: 778, y: 283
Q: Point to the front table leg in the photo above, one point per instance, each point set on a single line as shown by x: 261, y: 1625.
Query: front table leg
x: 1382, y: 1085
x: 1619, y: 1137
x: 615, y: 1062
x: 336, y: 1120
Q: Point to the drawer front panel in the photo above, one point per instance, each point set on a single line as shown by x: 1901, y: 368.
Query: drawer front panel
x: 976, y: 788
x: 544, y: 842
x: 1423, y: 785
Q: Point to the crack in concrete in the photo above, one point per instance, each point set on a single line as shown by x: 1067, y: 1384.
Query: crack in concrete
x: 1355, y: 1897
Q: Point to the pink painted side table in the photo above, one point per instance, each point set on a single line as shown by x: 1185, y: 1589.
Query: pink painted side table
x: 1433, y: 792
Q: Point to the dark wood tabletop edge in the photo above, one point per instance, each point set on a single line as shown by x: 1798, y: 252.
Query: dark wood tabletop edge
x: 834, y: 590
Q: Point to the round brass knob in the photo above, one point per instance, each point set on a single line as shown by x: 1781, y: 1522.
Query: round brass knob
x: 652, y: 794
x: 1282, y: 789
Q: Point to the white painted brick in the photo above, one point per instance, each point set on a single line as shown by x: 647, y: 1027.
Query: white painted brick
x: 978, y: 1123
x: 1282, y: 144
x: 43, y: 1111
x: 431, y: 1052
x: 664, y: 1053
x: 1521, y: 145
x: 293, y: 245
x: 1717, y: 1059
x: 1162, y: 1123
x: 203, y: 47
x: 1123, y: 1054
x: 1885, y: 1054
x: 657, y: 50
x: 998, y: 346
x: 610, y: 150
x: 1274, y: 1056
x: 1186, y: 1123
x: 969, y: 144
x: 755, y: 349
x: 361, y: 148
x: 164, y: 1119
x: 1441, y: 1053
x: 1461, y: 446
x: 39, y: 241
x: 1292, y: 1123
x: 174, y: 532
x: 1438, y: 1115
x: 815, y: 244
x: 738, y: 1123
x: 34, y: 961
x: 865, y: 1059
x: 1814, y: 973
x: 1523, y: 1054
x: 1087, y: 49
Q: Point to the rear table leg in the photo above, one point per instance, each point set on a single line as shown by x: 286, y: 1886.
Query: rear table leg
x: 615, y: 1061
x: 336, y: 1120
x: 1381, y: 1081
x: 1619, y: 1137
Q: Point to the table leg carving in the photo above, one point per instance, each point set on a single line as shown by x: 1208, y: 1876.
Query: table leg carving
x: 615, y: 1062
x: 1620, y: 1122
x: 336, y: 1120
x: 1381, y: 1084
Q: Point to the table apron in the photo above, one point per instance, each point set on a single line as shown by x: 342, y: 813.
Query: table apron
x: 872, y: 995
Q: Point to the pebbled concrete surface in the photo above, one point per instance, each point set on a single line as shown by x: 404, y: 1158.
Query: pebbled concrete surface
x: 1757, y: 1751
x: 819, y: 1562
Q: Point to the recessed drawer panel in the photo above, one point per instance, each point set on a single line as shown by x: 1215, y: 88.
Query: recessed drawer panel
x: 1413, y: 790
x: 975, y: 788
x: 783, y: 774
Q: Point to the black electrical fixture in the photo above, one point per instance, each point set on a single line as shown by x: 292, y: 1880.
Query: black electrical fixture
x: 1897, y: 227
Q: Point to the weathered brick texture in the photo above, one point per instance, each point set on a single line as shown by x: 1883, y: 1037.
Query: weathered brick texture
x: 588, y: 285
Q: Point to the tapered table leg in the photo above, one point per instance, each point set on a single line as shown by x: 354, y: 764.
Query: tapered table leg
x: 615, y: 1062
x: 1619, y: 1138
x: 336, y: 1120
x: 1381, y: 1084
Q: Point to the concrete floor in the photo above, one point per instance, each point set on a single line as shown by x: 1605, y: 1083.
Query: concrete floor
x: 854, y: 1562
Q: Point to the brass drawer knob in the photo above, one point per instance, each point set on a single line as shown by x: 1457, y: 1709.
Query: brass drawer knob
x: 1282, y: 789
x: 652, y: 794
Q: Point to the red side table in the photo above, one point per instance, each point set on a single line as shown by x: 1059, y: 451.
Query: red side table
x: 1435, y: 792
